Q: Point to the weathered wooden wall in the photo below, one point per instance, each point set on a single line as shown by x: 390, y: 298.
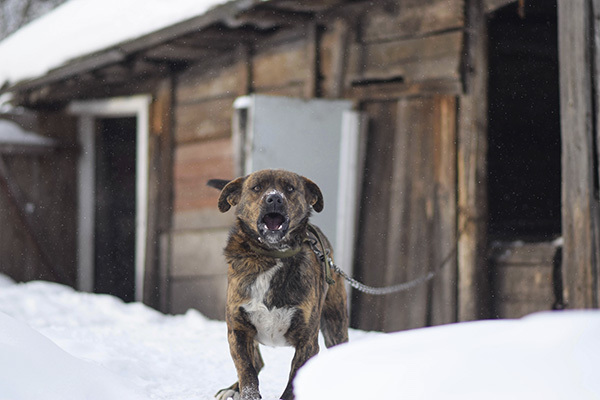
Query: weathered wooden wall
x: 402, y: 66
x: 408, y: 214
x: 417, y: 69
x: 404, y: 69
x: 46, y: 184
x: 203, y: 109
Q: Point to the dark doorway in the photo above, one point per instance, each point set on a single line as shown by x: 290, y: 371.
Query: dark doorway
x: 115, y: 207
x: 524, y: 154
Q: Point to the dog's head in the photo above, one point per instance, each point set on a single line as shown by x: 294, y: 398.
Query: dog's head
x: 272, y: 203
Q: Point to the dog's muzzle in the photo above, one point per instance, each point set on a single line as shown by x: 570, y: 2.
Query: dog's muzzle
x: 273, y: 222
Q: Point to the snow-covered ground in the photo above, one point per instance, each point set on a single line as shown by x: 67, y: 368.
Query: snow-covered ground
x: 58, y: 344
x: 550, y: 356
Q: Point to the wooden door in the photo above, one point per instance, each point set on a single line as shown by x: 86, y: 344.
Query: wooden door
x: 408, y: 213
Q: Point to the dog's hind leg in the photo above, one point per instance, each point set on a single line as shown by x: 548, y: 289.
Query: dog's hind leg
x: 334, y: 317
x: 233, y: 391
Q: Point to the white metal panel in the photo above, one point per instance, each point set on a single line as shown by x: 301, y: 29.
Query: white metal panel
x: 307, y: 137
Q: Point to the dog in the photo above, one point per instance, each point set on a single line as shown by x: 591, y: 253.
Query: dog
x: 279, y: 292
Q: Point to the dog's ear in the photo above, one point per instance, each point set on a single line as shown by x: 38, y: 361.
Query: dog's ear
x: 314, y: 197
x: 230, y: 195
x: 217, y: 183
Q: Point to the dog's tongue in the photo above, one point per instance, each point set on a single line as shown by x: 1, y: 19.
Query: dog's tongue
x: 273, y: 221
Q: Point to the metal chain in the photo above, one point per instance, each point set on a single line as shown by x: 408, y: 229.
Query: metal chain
x: 380, y: 291
x: 401, y: 287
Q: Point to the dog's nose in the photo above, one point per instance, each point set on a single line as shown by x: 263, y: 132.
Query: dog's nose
x: 274, y: 199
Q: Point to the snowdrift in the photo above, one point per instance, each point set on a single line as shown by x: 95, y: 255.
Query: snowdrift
x: 552, y: 355
x: 56, y: 343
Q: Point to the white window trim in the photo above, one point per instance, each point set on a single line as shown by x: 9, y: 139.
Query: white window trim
x: 87, y: 111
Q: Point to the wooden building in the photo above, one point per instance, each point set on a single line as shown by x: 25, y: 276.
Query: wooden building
x: 479, y: 159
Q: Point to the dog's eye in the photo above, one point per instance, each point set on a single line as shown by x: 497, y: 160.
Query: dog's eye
x: 256, y: 188
x: 290, y: 189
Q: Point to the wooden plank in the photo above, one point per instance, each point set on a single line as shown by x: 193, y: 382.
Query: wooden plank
x: 312, y: 80
x: 472, y: 173
x: 525, y: 284
x: 596, y: 71
x: 199, y: 253
x: 195, y: 164
x: 334, y: 58
x: 280, y: 65
x: 422, y: 222
x: 371, y: 256
x: 408, y: 213
x: 160, y: 194
x: 373, y: 91
x: 294, y: 89
x: 518, y: 309
x: 420, y: 59
x: 206, y: 218
x: 410, y: 221
x: 206, y: 294
x: 412, y: 18
x: 523, y: 278
x: 244, y: 69
x: 164, y: 285
x: 580, y: 217
x: 205, y: 120
x: 443, y: 301
x: 524, y: 253
x: 204, y: 82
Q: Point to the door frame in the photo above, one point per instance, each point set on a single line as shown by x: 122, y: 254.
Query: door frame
x: 87, y: 112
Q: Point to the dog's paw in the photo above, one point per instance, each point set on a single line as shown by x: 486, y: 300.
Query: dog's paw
x: 228, y: 394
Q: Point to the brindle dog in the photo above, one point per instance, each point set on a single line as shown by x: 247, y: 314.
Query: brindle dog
x: 277, y: 293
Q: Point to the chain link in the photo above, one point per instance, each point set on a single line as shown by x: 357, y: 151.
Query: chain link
x: 380, y: 291
x: 401, y: 287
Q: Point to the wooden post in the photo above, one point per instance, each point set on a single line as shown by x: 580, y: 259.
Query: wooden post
x: 339, y: 58
x: 473, y: 287
x: 580, y: 205
x: 160, y: 197
x: 311, y: 86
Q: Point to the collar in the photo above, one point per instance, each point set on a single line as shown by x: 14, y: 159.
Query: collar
x: 276, y: 253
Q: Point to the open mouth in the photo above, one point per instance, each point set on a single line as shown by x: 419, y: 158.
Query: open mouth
x: 274, y: 221
x: 273, y: 227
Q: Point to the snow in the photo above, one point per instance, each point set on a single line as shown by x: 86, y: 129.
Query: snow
x: 52, y: 373
x: 71, y: 345
x: 552, y: 355
x: 60, y: 344
x: 81, y: 27
x: 12, y: 133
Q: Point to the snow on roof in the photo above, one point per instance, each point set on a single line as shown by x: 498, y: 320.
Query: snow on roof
x: 12, y: 133
x: 81, y: 27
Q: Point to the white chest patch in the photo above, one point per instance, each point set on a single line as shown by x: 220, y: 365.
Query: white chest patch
x: 271, y: 325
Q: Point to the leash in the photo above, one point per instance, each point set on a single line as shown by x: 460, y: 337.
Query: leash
x: 372, y: 290
x: 323, y: 254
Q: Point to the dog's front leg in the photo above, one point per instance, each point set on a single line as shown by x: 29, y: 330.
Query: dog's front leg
x: 241, y: 346
x: 304, y: 351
